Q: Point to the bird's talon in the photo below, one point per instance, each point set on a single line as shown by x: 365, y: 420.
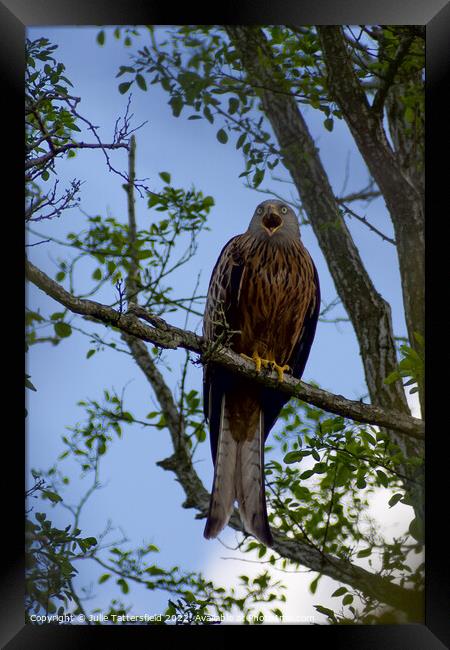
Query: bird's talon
x: 255, y: 358
x: 280, y: 370
x: 259, y: 361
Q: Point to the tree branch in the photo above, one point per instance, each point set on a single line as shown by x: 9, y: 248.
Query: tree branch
x: 367, y: 223
x: 167, y: 336
x: 402, y: 51
x: 41, y: 160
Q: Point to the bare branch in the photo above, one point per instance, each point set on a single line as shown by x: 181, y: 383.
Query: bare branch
x: 367, y: 223
x: 41, y: 160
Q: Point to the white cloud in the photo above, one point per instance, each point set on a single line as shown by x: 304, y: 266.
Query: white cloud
x: 224, y: 566
x: 413, y: 402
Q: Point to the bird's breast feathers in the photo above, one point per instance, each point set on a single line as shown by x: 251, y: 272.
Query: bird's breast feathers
x: 275, y: 292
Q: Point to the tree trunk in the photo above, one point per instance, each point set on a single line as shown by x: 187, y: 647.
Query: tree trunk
x: 403, y: 198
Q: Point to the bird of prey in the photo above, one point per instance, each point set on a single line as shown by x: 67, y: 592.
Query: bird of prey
x: 263, y: 301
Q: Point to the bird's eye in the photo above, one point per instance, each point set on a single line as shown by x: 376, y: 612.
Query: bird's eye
x: 283, y: 209
x: 259, y: 210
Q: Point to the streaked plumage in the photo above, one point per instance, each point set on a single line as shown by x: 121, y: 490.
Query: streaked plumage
x: 263, y: 299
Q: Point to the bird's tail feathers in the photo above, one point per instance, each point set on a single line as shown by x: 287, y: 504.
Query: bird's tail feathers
x: 249, y: 482
x: 239, y: 475
x: 223, y: 492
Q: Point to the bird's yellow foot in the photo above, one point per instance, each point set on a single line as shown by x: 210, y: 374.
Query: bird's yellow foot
x: 259, y: 361
x: 280, y: 370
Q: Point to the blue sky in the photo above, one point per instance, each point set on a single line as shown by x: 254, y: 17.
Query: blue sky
x: 139, y: 496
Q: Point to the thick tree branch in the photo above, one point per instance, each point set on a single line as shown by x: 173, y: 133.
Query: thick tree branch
x: 403, y: 200
x: 167, y: 336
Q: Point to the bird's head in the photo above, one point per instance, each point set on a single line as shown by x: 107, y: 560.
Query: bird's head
x: 275, y: 219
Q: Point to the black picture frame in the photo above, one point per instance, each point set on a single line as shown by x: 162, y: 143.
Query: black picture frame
x: 15, y: 16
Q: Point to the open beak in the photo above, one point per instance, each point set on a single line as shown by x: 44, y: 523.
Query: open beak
x: 271, y: 222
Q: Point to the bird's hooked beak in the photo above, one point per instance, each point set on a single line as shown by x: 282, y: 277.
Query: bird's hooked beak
x: 271, y: 221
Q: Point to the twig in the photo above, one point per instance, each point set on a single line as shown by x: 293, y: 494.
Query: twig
x: 368, y: 224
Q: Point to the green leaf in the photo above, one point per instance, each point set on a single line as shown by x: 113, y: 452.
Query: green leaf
x: 165, y: 176
x: 28, y: 383
x: 293, y: 457
x: 382, y: 478
x: 395, y: 499
x: 347, y: 600
x: 90, y: 541
x: 189, y: 596
x: 393, y: 376
x: 63, y: 330
x: 326, y: 611
x: 90, y: 353
x: 241, y: 140
x: 54, y: 498
x: 144, y: 255
x: 301, y: 493
x: 177, y: 104
x: 339, y: 592
x: 123, y: 585
x: 57, y: 315
x: 222, y: 136
x: 101, y: 37
x: 104, y: 578
x: 233, y: 105
x: 207, y: 113
x: 123, y: 69
x: 361, y: 482
x: 141, y: 82
x: 415, y: 530
x: 313, y: 585
x: 328, y: 123
x: 364, y: 553
x: 124, y: 86
x: 258, y: 177
x: 332, y: 425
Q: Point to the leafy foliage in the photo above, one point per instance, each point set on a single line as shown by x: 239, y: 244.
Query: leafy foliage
x: 411, y: 365
x: 50, y: 556
x: 49, y: 113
